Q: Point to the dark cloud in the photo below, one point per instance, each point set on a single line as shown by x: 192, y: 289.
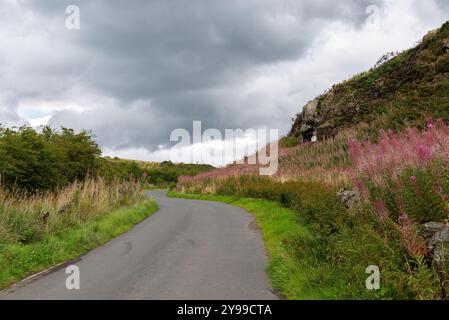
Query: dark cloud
x: 146, y: 48
x: 144, y: 68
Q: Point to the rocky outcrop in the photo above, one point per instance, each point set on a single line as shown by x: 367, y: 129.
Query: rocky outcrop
x: 430, y: 35
x: 429, y: 229
x: 348, y: 197
x: 436, y: 235
x: 439, y: 248
x: 307, y: 121
x: 365, y: 99
x: 446, y: 46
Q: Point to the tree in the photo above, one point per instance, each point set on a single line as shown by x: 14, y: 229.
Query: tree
x: 44, y: 161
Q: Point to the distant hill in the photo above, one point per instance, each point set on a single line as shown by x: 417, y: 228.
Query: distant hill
x: 403, y: 91
x: 189, y: 168
x: 158, y: 174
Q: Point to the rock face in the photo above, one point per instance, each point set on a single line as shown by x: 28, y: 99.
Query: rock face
x: 307, y: 121
x: 348, y: 197
x: 430, y: 35
x: 429, y: 229
x: 446, y: 46
x: 362, y: 100
x: 436, y: 235
x: 439, y: 246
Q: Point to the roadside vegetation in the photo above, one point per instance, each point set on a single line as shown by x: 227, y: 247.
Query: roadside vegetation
x: 29, y: 249
x: 402, y: 182
x: 373, y: 190
x: 26, y: 218
x: 49, y: 159
x: 151, y: 174
x: 278, y: 227
x: 60, y: 198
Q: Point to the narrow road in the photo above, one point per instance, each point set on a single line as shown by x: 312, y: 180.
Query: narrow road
x: 187, y: 250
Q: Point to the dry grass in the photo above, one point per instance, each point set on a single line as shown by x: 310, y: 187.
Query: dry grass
x: 324, y: 162
x: 27, y: 218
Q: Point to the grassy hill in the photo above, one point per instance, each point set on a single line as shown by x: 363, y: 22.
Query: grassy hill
x: 383, y: 138
x: 160, y: 174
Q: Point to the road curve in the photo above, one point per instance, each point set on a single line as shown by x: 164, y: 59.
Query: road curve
x: 187, y: 250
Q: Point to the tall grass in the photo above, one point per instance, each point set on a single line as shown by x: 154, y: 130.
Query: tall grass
x: 331, y: 263
x: 26, y: 218
x: 403, y: 179
x: 324, y: 161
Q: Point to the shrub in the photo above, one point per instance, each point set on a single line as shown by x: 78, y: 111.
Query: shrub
x: 45, y: 161
x: 288, y: 142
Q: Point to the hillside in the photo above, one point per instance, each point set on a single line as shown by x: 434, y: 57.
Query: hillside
x: 50, y: 159
x: 403, y: 91
x: 371, y: 190
x: 161, y: 174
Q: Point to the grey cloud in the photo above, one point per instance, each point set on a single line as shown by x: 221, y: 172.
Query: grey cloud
x: 164, y: 63
x: 145, y: 48
x: 10, y: 118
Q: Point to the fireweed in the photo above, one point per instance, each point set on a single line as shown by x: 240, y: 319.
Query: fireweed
x: 405, y: 177
x: 396, y: 152
x: 403, y: 180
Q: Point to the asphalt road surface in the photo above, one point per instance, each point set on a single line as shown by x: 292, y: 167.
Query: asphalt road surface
x: 187, y: 250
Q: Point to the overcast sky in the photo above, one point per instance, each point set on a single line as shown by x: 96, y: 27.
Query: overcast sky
x: 136, y: 70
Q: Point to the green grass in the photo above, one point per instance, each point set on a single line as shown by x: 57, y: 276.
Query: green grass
x: 289, y: 276
x: 18, y: 261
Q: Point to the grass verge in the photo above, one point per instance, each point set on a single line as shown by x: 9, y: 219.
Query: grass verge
x: 18, y: 261
x: 278, y: 225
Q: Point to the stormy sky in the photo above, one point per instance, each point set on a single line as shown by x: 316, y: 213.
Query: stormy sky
x: 136, y: 70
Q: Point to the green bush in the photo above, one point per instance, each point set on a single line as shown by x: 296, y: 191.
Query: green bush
x: 164, y: 174
x: 51, y: 159
x: 288, y: 142
x: 316, y: 202
x: 45, y: 161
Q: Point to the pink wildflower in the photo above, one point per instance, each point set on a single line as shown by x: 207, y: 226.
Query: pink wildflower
x: 412, y: 243
x: 381, y: 209
x: 424, y: 153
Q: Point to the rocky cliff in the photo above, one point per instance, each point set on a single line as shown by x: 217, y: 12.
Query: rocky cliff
x: 406, y: 90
